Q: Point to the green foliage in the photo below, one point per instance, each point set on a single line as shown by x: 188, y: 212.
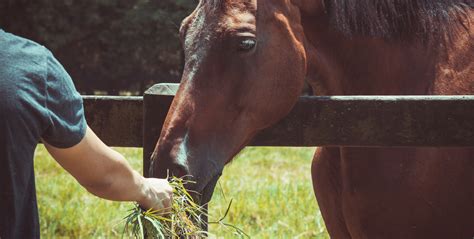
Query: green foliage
x: 270, y: 188
x: 106, y: 45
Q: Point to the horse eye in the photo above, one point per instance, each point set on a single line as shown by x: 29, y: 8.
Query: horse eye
x: 247, y: 44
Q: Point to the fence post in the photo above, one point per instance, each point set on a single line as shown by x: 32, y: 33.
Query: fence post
x: 156, y: 102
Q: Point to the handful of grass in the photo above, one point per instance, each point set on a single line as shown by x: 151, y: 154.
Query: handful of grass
x: 183, y: 220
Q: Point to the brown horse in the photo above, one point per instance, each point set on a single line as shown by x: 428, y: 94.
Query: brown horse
x: 246, y: 64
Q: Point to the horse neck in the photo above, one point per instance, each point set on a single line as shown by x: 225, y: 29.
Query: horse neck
x: 339, y: 65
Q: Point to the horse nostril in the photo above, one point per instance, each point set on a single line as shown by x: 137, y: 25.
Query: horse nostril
x: 178, y: 170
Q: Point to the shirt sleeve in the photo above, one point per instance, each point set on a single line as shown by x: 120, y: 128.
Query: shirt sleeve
x: 67, y: 124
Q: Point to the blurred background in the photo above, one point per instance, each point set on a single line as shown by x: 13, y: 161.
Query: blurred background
x: 113, y: 47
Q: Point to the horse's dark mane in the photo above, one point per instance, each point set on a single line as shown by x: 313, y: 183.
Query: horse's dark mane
x: 398, y: 19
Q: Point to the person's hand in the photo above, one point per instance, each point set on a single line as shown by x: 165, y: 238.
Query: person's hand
x: 157, y: 195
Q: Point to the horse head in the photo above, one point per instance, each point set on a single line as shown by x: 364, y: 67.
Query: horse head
x: 244, y: 70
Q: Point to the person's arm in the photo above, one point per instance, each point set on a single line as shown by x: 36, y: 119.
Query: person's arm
x: 106, y: 174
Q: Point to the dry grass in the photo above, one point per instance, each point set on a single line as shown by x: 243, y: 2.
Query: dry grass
x: 182, y: 221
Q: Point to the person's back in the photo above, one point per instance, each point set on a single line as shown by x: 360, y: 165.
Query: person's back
x: 29, y: 78
x: 38, y: 102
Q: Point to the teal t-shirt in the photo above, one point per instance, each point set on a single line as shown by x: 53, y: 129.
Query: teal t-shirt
x: 38, y: 101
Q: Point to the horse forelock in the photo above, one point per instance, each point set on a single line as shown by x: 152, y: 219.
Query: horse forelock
x: 398, y: 19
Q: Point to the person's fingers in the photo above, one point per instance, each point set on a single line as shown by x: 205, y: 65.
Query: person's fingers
x: 158, y: 205
x: 162, y: 195
x: 166, y: 206
x: 165, y: 200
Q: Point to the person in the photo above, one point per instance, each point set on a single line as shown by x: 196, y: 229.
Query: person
x: 38, y: 102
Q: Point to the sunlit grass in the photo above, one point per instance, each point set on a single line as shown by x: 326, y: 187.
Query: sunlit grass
x: 270, y: 187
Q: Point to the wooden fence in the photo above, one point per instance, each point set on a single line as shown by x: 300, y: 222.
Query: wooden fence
x: 373, y: 121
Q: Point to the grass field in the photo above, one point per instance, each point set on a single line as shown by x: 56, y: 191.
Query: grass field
x: 270, y: 187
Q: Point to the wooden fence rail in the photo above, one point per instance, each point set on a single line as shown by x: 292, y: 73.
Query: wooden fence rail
x: 403, y: 121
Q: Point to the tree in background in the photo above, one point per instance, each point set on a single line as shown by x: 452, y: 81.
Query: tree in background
x: 106, y: 45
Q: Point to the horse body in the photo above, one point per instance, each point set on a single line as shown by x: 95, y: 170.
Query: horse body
x: 395, y: 193
x: 391, y: 192
x: 227, y: 96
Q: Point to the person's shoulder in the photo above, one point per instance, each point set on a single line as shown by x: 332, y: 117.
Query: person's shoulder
x: 23, y: 71
x: 16, y: 51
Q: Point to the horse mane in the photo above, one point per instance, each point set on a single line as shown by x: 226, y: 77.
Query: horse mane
x: 427, y: 20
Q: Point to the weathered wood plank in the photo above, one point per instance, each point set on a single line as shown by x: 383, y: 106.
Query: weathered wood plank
x: 375, y: 121
x: 157, y: 101
x: 118, y: 121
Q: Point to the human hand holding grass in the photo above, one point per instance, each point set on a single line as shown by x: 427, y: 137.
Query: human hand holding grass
x: 157, y: 195
x: 183, y: 218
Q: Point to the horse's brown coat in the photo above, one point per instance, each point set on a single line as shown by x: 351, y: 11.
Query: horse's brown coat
x: 227, y: 96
